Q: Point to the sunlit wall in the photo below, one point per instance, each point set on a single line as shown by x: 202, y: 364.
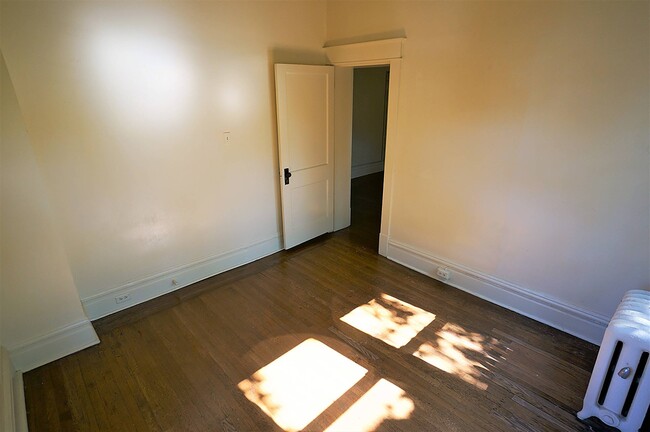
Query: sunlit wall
x: 523, y: 143
x: 37, y: 291
x: 126, y: 104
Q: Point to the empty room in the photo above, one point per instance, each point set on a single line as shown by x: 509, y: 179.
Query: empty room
x: 325, y: 215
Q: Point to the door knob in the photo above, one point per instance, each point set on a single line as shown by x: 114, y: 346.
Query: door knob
x: 287, y: 175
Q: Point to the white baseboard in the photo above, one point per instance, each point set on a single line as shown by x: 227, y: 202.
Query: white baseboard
x: 584, y: 324
x: 53, y: 346
x: 383, y: 244
x: 20, y: 409
x: 8, y: 418
x: 371, y: 168
x: 146, y: 289
x: 14, y: 413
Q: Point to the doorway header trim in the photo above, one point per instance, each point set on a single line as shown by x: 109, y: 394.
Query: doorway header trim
x: 370, y: 52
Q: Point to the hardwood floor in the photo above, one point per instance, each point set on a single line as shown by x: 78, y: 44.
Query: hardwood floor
x: 365, y: 343
x: 366, y: 198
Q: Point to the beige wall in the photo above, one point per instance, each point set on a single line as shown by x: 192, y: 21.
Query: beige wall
x: 38, y: 293
x: 522, y: 139
x: 5, y: 387
x: 126, y: 103
x: 523, y: 147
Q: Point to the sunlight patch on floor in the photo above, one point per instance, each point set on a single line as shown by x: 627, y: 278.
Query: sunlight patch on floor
x: 296, y: 387
x: 389, y: 319
x: 452, y: 352
x: 384, y: 401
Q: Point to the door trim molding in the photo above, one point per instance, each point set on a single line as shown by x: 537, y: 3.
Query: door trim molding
x: 368, y: 53
x: 383, y: 52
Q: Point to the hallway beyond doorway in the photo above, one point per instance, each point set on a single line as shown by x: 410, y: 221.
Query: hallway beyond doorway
x: 366, y: 210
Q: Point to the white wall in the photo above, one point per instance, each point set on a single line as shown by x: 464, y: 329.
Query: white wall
x: 523, y: 147
x: 368, y: 120
x: 39, y: 297
x: 126, y: 103
x: 522, y: 134
x: 5, y: 388
x: 6, y: 373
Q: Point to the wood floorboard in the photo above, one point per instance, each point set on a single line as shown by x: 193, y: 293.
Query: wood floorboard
x: 77, y: 392
x: 202, y: 358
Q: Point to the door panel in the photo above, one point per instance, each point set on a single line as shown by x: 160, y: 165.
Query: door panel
x: 307, y: 128
x: 305, y: 106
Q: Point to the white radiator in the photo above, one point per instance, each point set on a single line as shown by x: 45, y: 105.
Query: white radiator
x: 619, y: 389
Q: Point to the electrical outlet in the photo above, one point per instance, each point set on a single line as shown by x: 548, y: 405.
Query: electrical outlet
x: 443, y: 273
x: 123, y: 298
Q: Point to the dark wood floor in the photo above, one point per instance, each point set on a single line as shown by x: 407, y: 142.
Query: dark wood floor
x: 216, y: 356
x: 366, y: 198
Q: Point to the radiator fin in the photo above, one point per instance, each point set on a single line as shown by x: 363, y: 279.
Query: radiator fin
x: 635, y: 384
x: 610, y: 372
x: 645, y: 427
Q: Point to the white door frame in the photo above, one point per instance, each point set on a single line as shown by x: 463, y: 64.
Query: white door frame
x: 345, y: 58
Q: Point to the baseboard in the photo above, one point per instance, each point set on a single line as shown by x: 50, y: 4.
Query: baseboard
x: 371, y: 168
x: 14, y: 413
x: 584, y: 324
x: 20, y: 409
x: 383, y: 244
x: 53, y: 346
x: 8, y: 418
x: 146, y: 289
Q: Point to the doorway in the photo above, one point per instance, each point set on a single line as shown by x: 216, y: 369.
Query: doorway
x: 369, y: 122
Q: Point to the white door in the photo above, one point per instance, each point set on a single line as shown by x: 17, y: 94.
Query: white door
x: 305, y: 105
